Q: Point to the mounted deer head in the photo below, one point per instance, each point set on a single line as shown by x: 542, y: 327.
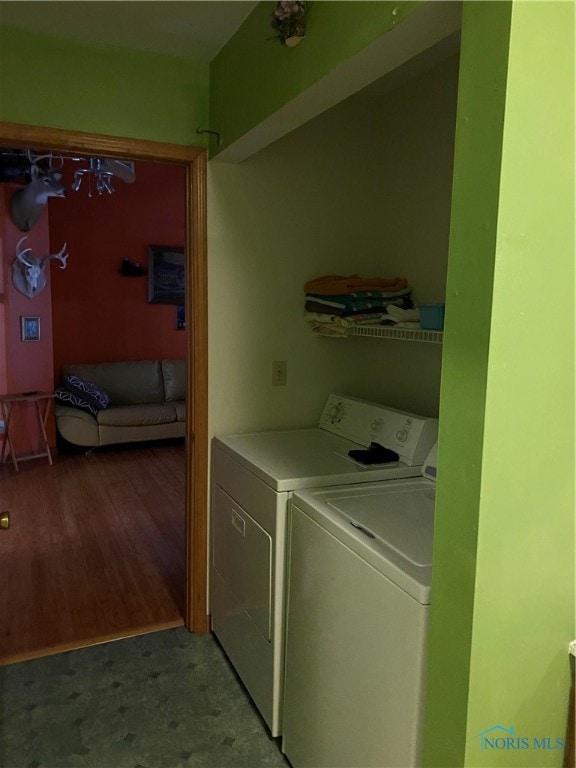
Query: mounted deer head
x: 26, y: 204
x: 28, y: 272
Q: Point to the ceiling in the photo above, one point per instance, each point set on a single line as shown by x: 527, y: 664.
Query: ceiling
x: 195, y: 28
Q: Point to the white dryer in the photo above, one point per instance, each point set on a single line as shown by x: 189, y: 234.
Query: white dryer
x: 253, y: 478
x: 358, y: 599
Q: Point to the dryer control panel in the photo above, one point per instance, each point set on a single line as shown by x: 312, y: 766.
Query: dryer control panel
x: 410, y: 435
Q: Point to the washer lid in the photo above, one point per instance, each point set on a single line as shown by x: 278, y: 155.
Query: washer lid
x: 402, y: 520
x: 390, y: 525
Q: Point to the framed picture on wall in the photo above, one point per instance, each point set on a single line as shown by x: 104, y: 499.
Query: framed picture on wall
x: 30, y: 328
x: 166, y: 271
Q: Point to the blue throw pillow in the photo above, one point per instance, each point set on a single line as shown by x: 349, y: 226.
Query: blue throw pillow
x: 74, y: 401
x: 87, y: 390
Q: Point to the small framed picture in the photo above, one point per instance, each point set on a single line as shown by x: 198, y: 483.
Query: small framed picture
x: 180, y: 318
x: 166, y: 270
x: 30, y: 328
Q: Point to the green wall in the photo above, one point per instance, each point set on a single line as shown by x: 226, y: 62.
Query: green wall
x: 101, y: 89
x: 480, y: 117
x: 254, y: 74
x: 503, y: 587
x: 524, y: 597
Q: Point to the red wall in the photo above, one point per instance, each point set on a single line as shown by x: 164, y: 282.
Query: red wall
x: 99, y: 315
x: 24, y: 365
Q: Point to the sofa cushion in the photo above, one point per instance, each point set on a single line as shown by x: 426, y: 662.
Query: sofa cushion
x: 180, y: 409
x: 136, y: 415
x: 74, y: 401
x: 128, y: 383
x: 174, y: 374
x: 86, y: 390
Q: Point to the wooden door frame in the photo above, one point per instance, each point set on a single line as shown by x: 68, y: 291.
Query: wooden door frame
x: 194, y: 159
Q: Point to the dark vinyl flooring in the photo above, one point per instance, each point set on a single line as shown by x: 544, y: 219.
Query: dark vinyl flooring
x: 167, y: 699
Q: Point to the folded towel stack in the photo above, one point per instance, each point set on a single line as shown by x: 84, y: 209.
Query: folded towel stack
x: 357, y: 303
x: 336, y: 303
x: 338, y: 284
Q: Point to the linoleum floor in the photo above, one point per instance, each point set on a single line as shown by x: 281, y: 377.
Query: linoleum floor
x: 168, y: 699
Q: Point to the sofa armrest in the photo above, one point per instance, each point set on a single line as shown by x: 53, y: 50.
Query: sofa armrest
x: 77, y: 427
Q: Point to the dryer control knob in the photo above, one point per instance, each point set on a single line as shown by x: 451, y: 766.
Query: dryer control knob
x: 377, y: 425
x: 401, y: 435
x: 336, y: 413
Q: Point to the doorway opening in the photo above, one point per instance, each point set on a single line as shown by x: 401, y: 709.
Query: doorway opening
x: 193, y: 161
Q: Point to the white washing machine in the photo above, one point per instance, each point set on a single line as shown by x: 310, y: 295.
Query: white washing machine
x: 253, y: 478
x: 358, y: 597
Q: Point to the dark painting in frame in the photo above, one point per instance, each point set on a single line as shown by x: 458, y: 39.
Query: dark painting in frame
x: 166, y: 270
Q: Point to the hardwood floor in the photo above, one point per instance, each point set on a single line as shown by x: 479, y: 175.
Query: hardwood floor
x: 95, y: 549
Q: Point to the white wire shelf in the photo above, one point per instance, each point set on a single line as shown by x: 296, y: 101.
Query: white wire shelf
x: 401, y: 334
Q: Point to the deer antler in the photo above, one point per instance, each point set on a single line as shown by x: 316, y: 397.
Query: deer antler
x: 63, y: 258
x: 35, y: 158
x: 20, y: 254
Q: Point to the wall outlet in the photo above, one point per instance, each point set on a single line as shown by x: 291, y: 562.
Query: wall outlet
x: 279, y: 373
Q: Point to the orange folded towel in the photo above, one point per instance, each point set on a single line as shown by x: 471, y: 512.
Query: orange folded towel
x: 332, y: 285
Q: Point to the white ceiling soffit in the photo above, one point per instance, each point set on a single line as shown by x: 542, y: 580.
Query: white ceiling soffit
x: 191, y: 28
x: 422, y: 30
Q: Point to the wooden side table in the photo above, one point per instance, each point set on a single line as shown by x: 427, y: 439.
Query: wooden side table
x: 42, y: 402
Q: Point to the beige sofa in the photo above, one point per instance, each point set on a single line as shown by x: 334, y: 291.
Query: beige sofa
x: 147, y: 402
